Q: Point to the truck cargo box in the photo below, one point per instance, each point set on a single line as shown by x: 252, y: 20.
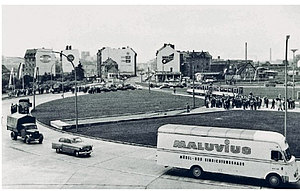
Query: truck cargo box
x: 14, y: 121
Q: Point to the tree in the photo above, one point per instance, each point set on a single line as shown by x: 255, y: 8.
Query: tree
x: 79, y: 72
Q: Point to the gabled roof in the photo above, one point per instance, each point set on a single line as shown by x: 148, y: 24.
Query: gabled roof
x: 165, y: 45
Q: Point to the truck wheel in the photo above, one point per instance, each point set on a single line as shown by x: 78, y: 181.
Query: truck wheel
x: 197, y: 171
x: 76, y: 153
x: 26, y: 140
x: 41, y: 139
x: 13, y: 135
x: 274, y: 180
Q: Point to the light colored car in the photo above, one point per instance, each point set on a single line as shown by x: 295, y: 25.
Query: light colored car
x: 73, y: 145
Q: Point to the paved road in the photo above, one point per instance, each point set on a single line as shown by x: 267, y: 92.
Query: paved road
x: 111, y: 165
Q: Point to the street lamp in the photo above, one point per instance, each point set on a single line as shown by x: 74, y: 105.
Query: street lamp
x: 51, y: 74
x: 70, y: 58
x: 285, y: 75
x: 294, y: 62
x: 149, y: 79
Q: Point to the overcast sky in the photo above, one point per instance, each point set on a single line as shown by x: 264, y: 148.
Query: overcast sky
x: 221, y: 30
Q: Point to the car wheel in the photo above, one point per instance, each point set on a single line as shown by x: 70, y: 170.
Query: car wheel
x: 13, y: 135
x: 197, y: 171
x: 274, y: 180
x: 76, y: 153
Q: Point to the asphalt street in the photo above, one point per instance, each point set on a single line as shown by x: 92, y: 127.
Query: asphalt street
x: 111, y: 165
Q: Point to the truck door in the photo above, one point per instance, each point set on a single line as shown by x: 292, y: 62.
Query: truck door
x: 277, y: 162
x: 23, y: 132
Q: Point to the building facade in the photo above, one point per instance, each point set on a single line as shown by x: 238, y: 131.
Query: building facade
x: 66, y: 65
x: 109, y: 69
x: 124, y: 57
x: 176, y: 64
x: 42, y: 58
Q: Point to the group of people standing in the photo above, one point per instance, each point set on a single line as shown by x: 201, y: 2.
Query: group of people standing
x: 251, y: 102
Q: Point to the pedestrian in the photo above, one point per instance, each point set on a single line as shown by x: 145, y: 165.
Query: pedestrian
x: 174, y: 90
x: 273, y: 104
x: 279, y: 103
x: 266, y: 102
x: 187, y: 107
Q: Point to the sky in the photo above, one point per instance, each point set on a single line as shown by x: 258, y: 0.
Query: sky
x: 220, y: 30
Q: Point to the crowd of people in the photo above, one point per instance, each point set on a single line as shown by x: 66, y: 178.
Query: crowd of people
x: 251, y: 102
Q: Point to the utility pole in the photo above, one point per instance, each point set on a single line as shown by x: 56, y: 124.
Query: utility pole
x: 285, y: 77
x: 193, y: 86
x: 149, y: 79
x: 246, y: 60
x: 294, y: 62
x: 62, y: 74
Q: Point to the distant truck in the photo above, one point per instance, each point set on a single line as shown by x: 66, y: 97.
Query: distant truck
x: 24, y: 126
x: 241, y: 152
x: 24, y: 105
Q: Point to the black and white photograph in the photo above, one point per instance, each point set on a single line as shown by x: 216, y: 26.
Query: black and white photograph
x: 150, y: 96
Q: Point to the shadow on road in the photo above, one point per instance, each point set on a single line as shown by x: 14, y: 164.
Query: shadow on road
x: 229, y: 179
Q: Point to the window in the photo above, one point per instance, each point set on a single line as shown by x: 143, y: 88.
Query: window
x: 276, y: 155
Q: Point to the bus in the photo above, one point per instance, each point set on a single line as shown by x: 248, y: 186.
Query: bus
x: 215, y: 90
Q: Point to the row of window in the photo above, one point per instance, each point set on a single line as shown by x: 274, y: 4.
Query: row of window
x: 220, y: 161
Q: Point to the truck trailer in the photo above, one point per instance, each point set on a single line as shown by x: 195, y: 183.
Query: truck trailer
x: 242, y: 152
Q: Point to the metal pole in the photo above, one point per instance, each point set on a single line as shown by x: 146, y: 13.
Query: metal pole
x: 285, y: 77
x: 193, y: 86
x: 51, y: 75
x: 62, y: 74
x: 149, y: 79
x: 76, y: 109
x: 33, y: 89
x: 294, y: 62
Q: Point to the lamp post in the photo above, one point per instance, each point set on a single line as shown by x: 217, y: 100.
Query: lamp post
x: 149, y: 79
x: 51, y: 74
x: 193, y: 86
x: 70, y: 58
x: 294, y: 62
x: 285, y: 77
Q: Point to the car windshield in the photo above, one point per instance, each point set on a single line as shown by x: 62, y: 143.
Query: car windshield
x: 287, y: 154
x: 76, y: 140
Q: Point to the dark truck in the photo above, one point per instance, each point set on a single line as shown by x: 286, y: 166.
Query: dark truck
x: 24, y: 126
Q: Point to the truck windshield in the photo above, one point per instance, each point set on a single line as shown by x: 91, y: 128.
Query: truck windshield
x: 31, y: 127
x: 287, y: 154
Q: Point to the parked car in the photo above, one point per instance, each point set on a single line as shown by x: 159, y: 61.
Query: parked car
x: 289, y: 84
x: 73, y: 145
x: 271, y: 84
x: 164, y: 86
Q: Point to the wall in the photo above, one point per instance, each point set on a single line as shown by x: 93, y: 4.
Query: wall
x: 164, y: 55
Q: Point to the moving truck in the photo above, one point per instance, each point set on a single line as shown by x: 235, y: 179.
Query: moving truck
x: 241, y: 152
x: 23, y: 125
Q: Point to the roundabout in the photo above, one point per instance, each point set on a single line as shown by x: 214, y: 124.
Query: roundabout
x: 112, y: 165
